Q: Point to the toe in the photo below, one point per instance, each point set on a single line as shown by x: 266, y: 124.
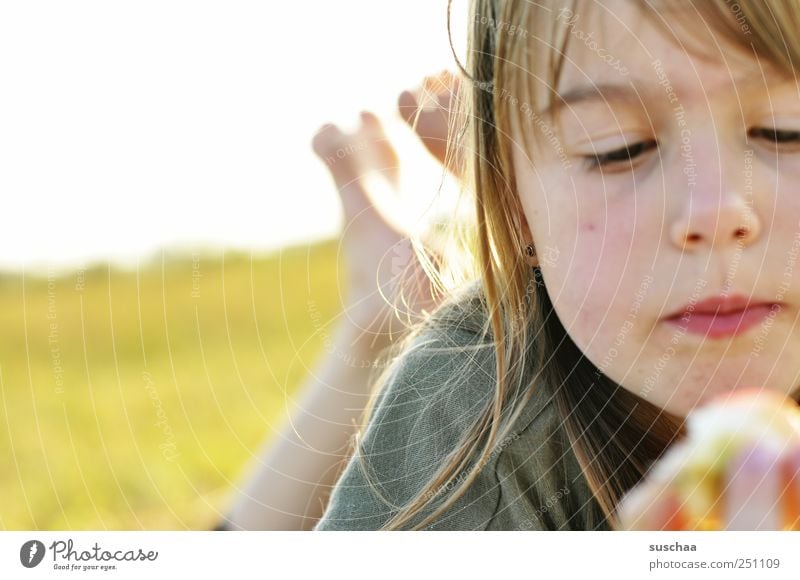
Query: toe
x: 407, y: 105
x: 326, y: 140
x: 370, y: 120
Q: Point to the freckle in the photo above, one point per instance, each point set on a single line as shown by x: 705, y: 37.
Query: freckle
x: 589, y: 227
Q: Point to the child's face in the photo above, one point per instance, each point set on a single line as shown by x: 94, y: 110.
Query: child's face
x: 709, y: 206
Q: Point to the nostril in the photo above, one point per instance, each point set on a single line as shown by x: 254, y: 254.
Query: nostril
x: 740, y: 233
x: 693, y: 238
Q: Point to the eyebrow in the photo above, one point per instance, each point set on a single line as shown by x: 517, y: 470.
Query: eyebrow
x: 628, y: 93
x: 597, y: 92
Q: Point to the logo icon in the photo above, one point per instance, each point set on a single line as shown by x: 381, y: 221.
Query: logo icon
x: 31, y: 553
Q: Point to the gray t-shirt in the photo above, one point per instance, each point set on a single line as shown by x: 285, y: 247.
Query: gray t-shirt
x: 532, y: 480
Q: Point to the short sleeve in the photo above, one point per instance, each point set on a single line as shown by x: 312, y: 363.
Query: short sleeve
x: 435, y: 391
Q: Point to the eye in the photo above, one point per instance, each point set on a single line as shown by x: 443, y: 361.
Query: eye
x: 776, y: 136
x: 622, y: 156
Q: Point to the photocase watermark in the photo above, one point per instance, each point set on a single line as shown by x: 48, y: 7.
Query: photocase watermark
x: 538, y: 121
x: 403, y: 261
x: 689, y: 164
x: 80, y: 279
x: 450, y: 485
x: 536, y: 281
x: 664, y: 81
x: 32, y: 553
x: 511, y: 29
x: 590, y: 42
x: 330, y: 343
x: 53, y: 333
x: 788, y: 274
x: 741, y: 240
x: 66, y: 557
x: 196, y: 275
x: 626, y: 327
x: 739, y: 16
x: 747, y: 174
x: 345, y: 151
x: 669, y: 352
x: 168, y: 447
x: 95, y: 557
x: 402, y: 286
x: 554, y: 499
x: 549, y: 258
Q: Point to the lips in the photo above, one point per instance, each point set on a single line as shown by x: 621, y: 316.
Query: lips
x: 722, y: 316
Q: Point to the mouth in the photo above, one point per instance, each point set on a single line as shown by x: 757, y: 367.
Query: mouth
x: 722, y: 316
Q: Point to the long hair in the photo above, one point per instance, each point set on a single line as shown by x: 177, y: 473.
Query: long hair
x: 615, y: 434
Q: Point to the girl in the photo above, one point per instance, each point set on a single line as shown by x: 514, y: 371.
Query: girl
x: 635, y: 170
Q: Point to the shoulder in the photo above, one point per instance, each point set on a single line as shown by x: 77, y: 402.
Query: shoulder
x: 543, y: 486
x: 444, y: 375
x: 432, y: 393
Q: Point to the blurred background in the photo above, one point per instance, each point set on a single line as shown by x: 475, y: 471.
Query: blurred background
x: 165, y: 227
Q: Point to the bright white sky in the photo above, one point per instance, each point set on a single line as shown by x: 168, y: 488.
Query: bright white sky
x: 131, y: 126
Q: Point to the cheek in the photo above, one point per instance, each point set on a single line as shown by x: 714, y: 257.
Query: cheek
x: 781, y: 208
x: 601, y: 284
x: 596, y: 247
x: 594, y: 260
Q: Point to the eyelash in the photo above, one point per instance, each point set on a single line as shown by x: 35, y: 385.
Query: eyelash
x: 629, y: 153
x: 626, y: 154
x: 794, y: 135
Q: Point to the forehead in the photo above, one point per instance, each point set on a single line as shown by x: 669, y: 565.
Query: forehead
x: 614, y: 43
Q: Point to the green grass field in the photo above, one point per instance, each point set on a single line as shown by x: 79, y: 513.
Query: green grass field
x: 134, y: 399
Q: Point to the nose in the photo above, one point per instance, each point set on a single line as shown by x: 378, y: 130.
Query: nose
x: 718, y: 222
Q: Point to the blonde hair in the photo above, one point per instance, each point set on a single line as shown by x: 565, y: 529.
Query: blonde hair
x: 615, y: 434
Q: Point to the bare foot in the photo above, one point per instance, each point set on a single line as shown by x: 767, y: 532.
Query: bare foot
x: 352, y: 155
x: 382, y: 269
x: 428, y: 110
